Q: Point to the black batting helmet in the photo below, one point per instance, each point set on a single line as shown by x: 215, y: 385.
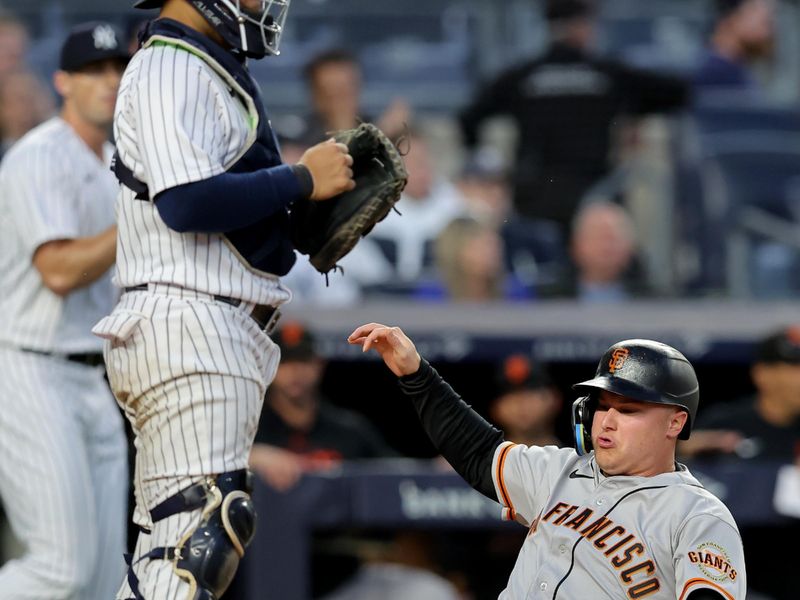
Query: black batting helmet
x: 642, y: 370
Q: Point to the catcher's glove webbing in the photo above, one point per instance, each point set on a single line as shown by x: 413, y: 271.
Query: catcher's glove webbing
x: 327, y: 230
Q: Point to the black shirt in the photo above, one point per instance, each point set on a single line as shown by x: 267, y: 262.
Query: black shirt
x: 564, y: 104
x: 337, y: 434
x: 765, y: 440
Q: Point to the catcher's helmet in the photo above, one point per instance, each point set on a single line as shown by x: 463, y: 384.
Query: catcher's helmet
x: 641, y: 370
x: 255, y: 33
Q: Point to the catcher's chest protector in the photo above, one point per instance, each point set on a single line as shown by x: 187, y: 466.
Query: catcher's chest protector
x: 264, y: 246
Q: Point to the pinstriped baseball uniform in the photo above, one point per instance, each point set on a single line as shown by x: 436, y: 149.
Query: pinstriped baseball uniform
x: 63, y: 456
x: 189, y: 370
x: 658, y: 537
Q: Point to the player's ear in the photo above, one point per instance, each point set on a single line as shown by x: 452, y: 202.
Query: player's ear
x: 676, y: 423
x: 62, y: 83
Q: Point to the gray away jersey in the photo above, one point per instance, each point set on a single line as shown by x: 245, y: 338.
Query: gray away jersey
x: 601, y: 537
x: 52, y: 187
x: 200, y: 134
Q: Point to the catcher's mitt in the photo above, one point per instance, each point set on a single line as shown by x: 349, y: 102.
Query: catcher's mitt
x: 326, y: 231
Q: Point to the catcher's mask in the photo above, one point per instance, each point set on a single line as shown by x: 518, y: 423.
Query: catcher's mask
x: 255, y: 32
x: 641, y: 370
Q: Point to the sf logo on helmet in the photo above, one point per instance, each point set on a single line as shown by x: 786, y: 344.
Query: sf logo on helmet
x: 618, y: 358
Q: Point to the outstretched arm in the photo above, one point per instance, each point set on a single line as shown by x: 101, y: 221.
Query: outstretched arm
x: 464, y: 438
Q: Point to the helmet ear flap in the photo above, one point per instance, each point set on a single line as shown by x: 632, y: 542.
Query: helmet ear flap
x: 582, y: 414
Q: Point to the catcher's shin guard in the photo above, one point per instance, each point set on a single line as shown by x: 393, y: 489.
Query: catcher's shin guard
x: 207, y: 557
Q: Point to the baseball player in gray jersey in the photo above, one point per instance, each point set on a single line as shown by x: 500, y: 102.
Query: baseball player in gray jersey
x: 204, y: 236
x: 619, y: 518
x: 63, y: 454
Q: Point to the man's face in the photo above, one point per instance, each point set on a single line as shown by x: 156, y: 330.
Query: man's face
x: 420, y: 171
x: 24, y: 103
x: 253, y: 6
x: 634, y: 438
x: 92, y: 91
x: 780, y: 381
x: 297, y: 380
x: 336, y: 88
x: 526, y: 410
x: 13, y: 45
x: 754, y: 24
x: 602, y: 246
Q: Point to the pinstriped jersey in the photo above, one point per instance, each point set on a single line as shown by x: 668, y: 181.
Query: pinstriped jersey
x: 180, y: 118
x: 592, y: 536
x: 52, y: 187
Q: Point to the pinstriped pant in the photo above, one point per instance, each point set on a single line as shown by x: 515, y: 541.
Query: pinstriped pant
x: 63, y: 478
x: 190, y: 374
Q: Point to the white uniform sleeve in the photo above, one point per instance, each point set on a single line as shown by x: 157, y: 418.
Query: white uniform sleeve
x: 41, y: 196
x: 709, y: 554
x: 523, y: 477
x: 184, y: 123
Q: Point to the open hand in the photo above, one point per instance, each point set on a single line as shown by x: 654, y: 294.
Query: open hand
x: 395, y: 348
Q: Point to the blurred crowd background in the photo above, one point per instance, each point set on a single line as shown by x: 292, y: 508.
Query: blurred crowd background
x: 634, y: 153
x: 697, y: 186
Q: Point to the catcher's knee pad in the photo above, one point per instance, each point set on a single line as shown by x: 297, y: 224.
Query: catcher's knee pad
x: 207, y: 557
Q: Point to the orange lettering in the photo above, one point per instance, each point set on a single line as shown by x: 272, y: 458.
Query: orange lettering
x: 593, y: 529
x: 555, y: 510
x: 578, y: 520
x: 618, y: 545
x: 636, y: 548
x: 646, y: 565
x: 640, y: 590
x: 565, y: 516
x: 600, y: 542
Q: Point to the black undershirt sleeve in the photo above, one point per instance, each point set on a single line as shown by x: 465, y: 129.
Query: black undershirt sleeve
x: 461, y: 435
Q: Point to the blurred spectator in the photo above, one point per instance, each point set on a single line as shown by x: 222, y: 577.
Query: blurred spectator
x: 764, y: 427
x: 603, y: 252
x: 528, y: 403
x: 399, y: 569
x: 564, y: 104
x: 743, y: 33
x: 470, y: 265
x: 429, y: 202
x: 486, y: 188
x: 299, y: 430
x: 25, y: 101
x: 534, y: 248
x: 13, y: 44
x: 334, y: 81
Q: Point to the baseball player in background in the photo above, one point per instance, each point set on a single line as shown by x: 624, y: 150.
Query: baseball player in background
x: 63, y: 454
x: 204, y: 234
x: 619, y: 518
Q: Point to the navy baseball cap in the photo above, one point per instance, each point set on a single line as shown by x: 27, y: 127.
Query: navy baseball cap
x: 781, y: 346
x: 92, y: 42
x: 518, y: 372
x: 296, y: 342
x: 562, y: 10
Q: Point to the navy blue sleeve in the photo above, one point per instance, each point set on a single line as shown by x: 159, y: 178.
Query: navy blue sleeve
x: 230, y: 201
